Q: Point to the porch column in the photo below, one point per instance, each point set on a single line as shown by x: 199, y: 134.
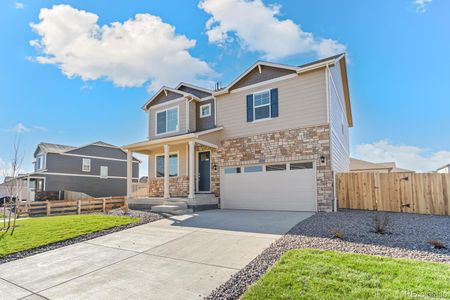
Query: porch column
x: 129, y: 173
x: 191, y: 169
x: 28, y: 189
x: 166, y: 172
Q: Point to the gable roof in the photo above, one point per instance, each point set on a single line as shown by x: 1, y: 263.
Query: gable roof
x: 58, y: 148
x: 443, y: 167
x: 194, y: 87
x: 332, y: 60
x: 363, y: 165
x: 53, y: 148
x: 165, y: 89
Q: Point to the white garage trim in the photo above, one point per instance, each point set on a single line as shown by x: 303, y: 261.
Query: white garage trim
x: 300, y: 183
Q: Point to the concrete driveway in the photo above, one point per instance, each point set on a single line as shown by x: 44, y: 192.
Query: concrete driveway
x: 184, y: 257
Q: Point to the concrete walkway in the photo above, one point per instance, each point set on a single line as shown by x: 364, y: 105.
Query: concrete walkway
x: 184, y: 257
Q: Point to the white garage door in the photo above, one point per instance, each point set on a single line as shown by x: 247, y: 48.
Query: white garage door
x: 287, y: 186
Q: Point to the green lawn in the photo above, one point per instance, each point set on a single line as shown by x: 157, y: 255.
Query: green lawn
x: 315, y: 274
x: 35, y: 232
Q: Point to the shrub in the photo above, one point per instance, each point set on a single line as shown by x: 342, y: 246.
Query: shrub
x: 437, y: 244
x: 381, y: 225
x: 337, y: 234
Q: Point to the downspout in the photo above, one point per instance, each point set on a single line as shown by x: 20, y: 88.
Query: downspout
x: 327, y: 83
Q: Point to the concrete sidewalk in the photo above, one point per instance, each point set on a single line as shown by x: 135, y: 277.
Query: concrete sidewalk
x: 184, y: 257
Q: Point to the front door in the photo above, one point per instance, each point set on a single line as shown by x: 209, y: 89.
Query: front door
x: 204, y: 169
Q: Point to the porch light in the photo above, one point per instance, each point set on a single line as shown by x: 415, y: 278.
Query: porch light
x: 322, y: 159
x: 215, y: 167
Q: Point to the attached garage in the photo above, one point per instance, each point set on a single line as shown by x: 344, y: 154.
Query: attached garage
x: 282, y: 186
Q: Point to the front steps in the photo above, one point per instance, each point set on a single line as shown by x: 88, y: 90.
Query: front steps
x: 174, y: 207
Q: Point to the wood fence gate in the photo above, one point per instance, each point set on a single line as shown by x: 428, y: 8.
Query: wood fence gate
x: 423, y: 193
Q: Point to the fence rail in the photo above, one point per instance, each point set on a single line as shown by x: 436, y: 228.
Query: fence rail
x: 423, y: 193
x: 59, y: 207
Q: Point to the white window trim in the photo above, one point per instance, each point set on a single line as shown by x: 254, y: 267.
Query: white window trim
x: 269, y: 104
x: 165, y: 110
x: 201, y: 110
x: 107, y: 172
x: 43, y: 157
x: 82, y: 165
x: 178, y: 164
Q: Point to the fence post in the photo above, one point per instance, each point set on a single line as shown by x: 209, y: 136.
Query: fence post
x: 125, y: 204
x: 104, y: 205
x: 48, y: 208
x: 79, y: 207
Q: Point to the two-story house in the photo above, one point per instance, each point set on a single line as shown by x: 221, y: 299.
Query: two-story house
x: 98, y: 170
x: 271, y: 140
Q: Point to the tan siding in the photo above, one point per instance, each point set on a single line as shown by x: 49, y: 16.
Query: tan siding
x: 340, y: 152
x: 180, y: 148
x: 302, y: 102
x: 181, y: 115
x: 192, y: 116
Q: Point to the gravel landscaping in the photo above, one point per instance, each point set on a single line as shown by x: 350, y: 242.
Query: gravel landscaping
x: 145, y: 216
x: 407, y: 237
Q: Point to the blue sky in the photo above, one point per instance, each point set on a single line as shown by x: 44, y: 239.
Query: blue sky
x: 73, y: 78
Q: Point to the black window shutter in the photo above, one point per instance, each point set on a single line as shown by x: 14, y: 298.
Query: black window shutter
x: 274, y: 103
x: 249, y: 108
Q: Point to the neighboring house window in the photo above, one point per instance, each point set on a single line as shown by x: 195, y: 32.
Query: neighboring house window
x: 40, y: 162
x: 86, y: 167
x: 173, y: 165
x: 103, y: 172
x: 167, y: 120
x: 262, y: 105
x: 205, y: 110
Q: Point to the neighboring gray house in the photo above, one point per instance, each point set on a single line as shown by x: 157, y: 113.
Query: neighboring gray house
x: 98, y: 169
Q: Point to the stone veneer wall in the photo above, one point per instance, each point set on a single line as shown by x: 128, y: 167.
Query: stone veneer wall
x: 309, y: 143
x: 215, y: 175
x: 178, y: 186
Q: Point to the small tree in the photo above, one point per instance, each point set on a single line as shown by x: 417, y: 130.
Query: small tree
x: 13, y: 189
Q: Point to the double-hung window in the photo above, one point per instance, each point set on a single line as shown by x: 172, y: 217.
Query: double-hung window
x: 173, y: 165
x: 86, y: 166
x: 167, y: 120
x: 261, y: 105
x: 103, y: 172
x: 40, y: 162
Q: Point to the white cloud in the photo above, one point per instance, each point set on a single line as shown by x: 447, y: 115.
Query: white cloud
x: 40, y: 128
x: 406, y: 156
x: 19, y: 128
x: 421, y: 5
x: 256, y: 27
x: 19, y: 5
x: 138, y: 51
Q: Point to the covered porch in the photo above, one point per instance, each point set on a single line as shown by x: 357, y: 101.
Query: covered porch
x: 181, y: 168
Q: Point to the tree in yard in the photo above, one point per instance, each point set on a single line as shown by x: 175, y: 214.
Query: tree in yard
x: 12, y: 189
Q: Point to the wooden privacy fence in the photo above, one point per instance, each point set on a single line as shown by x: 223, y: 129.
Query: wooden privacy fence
x: 422, y: 193
x: 60, y: 207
